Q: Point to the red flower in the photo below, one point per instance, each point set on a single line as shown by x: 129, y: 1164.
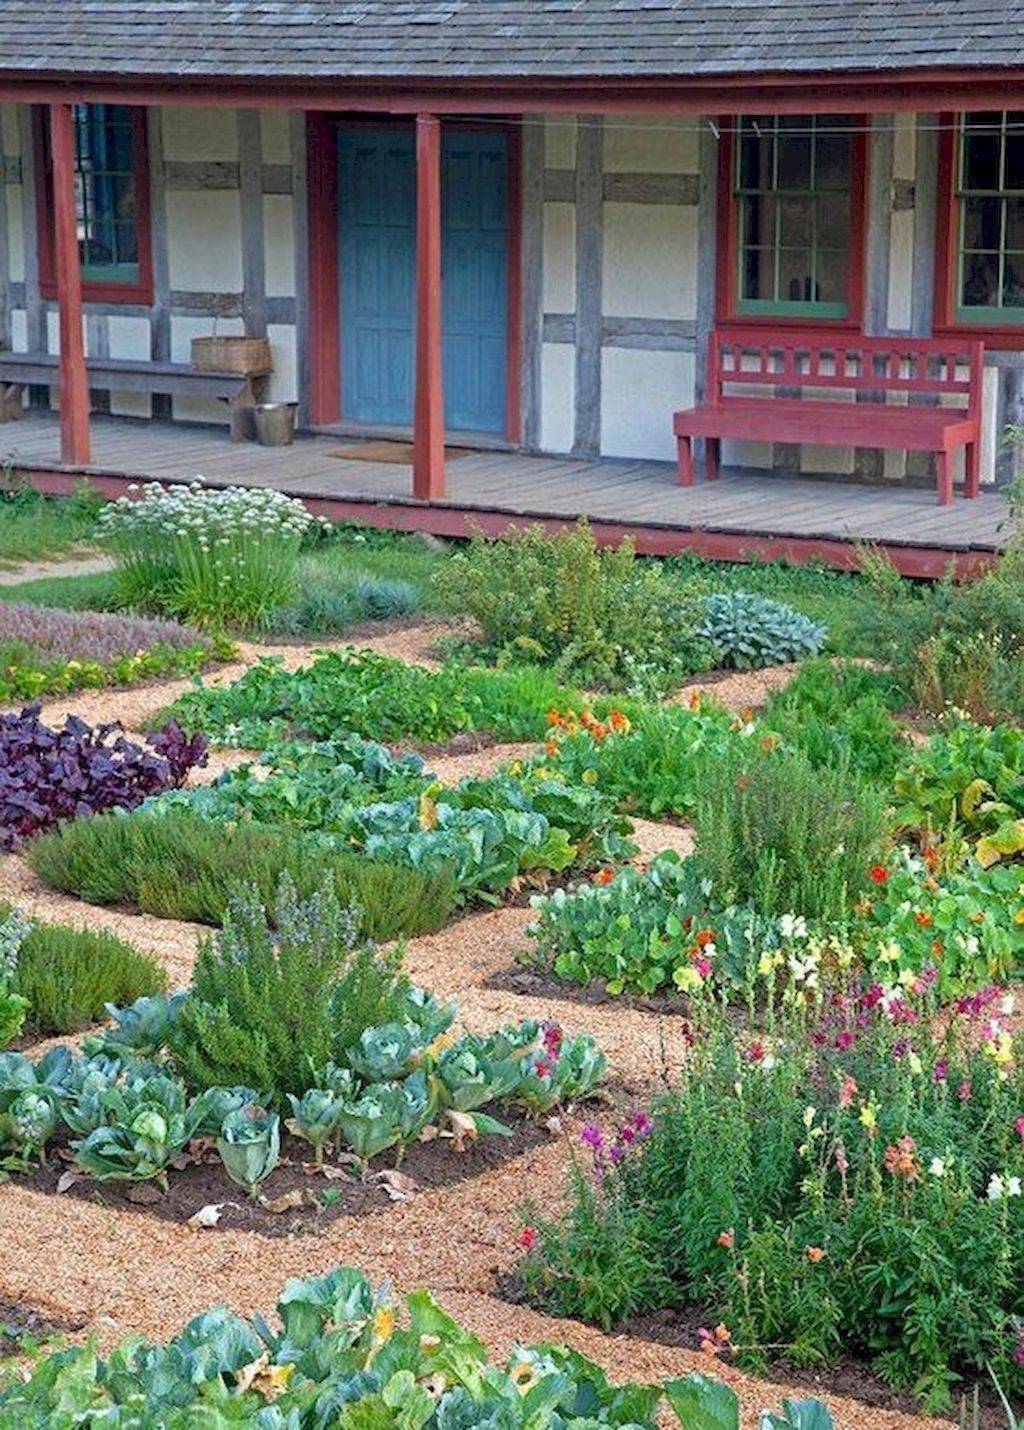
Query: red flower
x: 528, y: 1238
x: 604, y: 876
x: 726, y: 1238
x: 924, y: 919
x: 879, y: 874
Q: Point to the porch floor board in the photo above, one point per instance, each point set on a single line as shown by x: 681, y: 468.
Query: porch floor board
x: 621, y: 494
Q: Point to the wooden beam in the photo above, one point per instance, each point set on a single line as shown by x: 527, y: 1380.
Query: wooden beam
x: 74, y: 382
x: 428, y: 428
x: 322, y: 270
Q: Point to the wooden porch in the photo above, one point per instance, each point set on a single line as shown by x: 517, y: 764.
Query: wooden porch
x: 748, y: 515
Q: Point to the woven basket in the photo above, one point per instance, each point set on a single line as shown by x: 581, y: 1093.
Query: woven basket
x: 231, y: 354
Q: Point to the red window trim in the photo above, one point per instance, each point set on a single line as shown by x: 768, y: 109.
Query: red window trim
x: 947, y: 246
x: 93, y: 292
x: 727, y: 236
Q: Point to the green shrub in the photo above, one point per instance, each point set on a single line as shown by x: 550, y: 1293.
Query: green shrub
x: 68, y: 975
x: 273, y: 999
x: 840, y: 716
x: 326, y: 606
x: 601, y: 618
x: 749, y: 631
x: 774, y: 831
x: 179, y: 865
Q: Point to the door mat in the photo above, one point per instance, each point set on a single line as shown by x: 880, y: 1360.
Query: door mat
x: 383, y: 451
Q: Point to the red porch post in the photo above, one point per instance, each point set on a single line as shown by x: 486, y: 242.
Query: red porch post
x: 74, y: 382
x: 428, y: 431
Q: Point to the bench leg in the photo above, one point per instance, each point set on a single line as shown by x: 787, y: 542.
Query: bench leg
x: 972, y: 467
x: 685, y: 447
x: 712, y: 454
x: 11, y: 406
x: 944, y: 477
x: 243, y: 415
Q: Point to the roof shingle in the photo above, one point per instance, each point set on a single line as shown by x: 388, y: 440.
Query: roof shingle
x: 478, y: 39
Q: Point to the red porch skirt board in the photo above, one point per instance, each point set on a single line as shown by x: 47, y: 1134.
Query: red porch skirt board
x: 651, y: 539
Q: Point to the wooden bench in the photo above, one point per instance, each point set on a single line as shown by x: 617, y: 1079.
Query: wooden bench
x: 778, y: 388
x: 240, y: 390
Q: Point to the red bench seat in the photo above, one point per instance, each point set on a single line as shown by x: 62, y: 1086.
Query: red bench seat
x: 877, y: 369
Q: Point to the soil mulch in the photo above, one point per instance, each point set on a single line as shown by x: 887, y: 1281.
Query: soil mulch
x: 299, y: 1197
x: 539, y: 983
x: 19, y: 1322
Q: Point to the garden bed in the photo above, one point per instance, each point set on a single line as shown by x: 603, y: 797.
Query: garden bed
x: 299, y: 1197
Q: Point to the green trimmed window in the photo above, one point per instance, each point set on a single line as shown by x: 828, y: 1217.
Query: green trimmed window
x: 990, y: 193
x: 107, y: 202
x: 792, y: 184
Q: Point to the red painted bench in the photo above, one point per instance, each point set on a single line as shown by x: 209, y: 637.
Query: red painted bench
x: 747, y: 367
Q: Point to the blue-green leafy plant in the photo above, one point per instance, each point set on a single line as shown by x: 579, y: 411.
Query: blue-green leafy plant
x: 749, y: 631
x: 250, y: 1146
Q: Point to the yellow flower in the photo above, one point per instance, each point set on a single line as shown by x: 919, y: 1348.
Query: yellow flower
x: 889, y: 953
x: 1018, y: 917
x: 869, y: 1116
x: 440, y: 1043
x: 589, y: 777
x: 383, y: 1324
x: 523, y: 1377
x: 915, y: 1064
x: 428, y: 812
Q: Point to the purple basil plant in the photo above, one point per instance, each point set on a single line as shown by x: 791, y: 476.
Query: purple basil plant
x: 47, y: 775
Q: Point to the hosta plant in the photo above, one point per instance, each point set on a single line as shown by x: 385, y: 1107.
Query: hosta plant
x: 749, y: 631
x: 342, y: 1352
x: 48, y: 775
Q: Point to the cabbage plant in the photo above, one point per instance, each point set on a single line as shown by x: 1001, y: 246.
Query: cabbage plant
x: 250, y: 1146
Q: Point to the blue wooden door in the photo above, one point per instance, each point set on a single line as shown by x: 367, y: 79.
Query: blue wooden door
x: 378, y: 277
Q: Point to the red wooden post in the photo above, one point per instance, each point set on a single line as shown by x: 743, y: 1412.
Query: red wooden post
x: 74, y: 382
x: 428, y: 431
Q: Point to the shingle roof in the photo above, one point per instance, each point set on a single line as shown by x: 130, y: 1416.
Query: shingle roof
x: 474, y: 39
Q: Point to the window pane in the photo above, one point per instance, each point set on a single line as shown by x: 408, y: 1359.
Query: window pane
x: 834, y: 220
x: 1013, y: 281
x: 982, y: 223
x: 759, y: 273
x: 981, y: 280
x: 982, y: 148
x: 105, y: 162
x: 758, y: 220
x: 755, y: 170
x: 794, y: 155
x: 795, y: 282
x: 796, y: 222
x: 1013, y: 163
x: 832, y: 161
x: 832, y: 276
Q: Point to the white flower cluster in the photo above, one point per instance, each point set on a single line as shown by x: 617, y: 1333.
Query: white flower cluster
x: 999, y: 1187
x: 209, y: 515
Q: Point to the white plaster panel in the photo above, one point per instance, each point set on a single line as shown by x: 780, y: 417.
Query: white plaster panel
x: 10, y: 134
x: 19, y: 330
x: 559, y: 258
x: 558, y: 397
x: 279, y: 245
x: 990, y: 436
x: 53, y: 331
x: 15, y: 232
x: 183, y: 330
x: 129, y: 337
x: 822, y: 456
x: 901, y: 269
x: 640, y: 390
x: 645, y: 146
x: 904, y: 145
x: 650, y: 261
x: 284, y: 381
x: 758, y: 455
x: 559, y: 141
x: 204, y: 241
x: 200, y: 133
x: 277, y: 136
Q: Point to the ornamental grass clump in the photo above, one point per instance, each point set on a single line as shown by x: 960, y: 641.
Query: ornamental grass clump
x: 220, y: 558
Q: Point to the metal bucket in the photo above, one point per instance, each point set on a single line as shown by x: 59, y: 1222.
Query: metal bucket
x: 275, y: 423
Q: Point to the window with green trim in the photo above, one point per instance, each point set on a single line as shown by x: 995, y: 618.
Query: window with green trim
x: 105, y: 171
x: 990, y: 191
x: 792, y: 184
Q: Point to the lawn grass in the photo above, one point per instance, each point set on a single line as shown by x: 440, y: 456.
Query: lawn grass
x: 91, y: 592
x: 34, y: 527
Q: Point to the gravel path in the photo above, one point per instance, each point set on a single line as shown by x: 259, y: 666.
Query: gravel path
x: 83, y: 565
x: 123, y: 1272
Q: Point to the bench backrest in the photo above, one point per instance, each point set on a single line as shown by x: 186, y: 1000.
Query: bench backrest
x: 750, y: 357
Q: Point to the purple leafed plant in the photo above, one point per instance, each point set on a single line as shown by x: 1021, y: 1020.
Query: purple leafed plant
x: 47, y: 775
x: 89, y: 635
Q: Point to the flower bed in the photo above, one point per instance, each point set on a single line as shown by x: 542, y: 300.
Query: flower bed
x: 849, y: 1184
x: 342, y: 1350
